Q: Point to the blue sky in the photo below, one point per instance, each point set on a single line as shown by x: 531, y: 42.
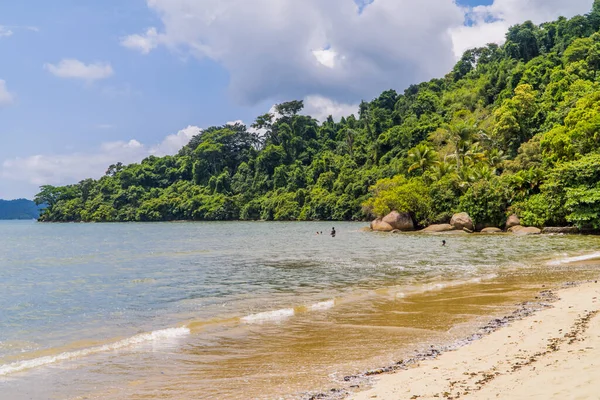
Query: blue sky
x: 85, y: 82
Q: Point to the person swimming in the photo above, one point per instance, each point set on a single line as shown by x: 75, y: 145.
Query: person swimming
x: 443, y: 243
x: 333, y: 232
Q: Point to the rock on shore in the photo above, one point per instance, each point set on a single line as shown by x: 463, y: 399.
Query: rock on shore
x: 438, y: 228
x: 462, y: 220
x: 380, y: 226
x: 491, y: 230
x: 564, y: 229
x: 394, y: 221
x: 512, y: 221
x: 523, y: 231
x: 400, y: 221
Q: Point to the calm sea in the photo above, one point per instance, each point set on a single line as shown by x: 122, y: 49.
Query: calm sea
x: 246, y: 310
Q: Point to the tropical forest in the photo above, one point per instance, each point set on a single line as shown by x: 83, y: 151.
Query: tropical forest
x: 511, y: 129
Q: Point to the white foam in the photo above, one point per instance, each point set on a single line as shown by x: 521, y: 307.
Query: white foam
x: 277, y: 315
x: 324, y: 305
x: 163, y: 334
x: 568, y: 260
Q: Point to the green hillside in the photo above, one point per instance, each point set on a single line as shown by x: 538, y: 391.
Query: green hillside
x: 512, y: 128
x: 18, y: 209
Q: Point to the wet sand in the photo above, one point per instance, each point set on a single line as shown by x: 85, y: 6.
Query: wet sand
x: 553, y: 353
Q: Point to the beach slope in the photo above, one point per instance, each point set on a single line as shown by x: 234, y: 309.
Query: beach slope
x: 552, y: 354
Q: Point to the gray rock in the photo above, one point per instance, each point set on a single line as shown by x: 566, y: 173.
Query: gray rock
x: 513, y: 220
x: 524, y: 231
x: 491, y: 230
x: 438, y: 228
x: 379, y: 226
x: 462, y: 220
x: 563, y: 229
x: 402, y: 222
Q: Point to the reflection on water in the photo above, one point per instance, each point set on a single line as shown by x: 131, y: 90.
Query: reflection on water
x: 246, y: 310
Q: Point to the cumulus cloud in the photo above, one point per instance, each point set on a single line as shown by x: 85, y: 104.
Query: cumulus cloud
x: 75, y: 69
x: 57, y: 169
x: 298, y: 48
x: 335, y: 48
x: 143, y: 43
x: 489, y: 24
x: 173, y: 143
x: 321, y: 107
x: 6, y: 98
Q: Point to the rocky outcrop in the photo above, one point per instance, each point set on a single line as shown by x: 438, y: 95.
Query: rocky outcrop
x: 400, y: 221
x: 567, y: 230
x: 512, y: 221
x: 438, y: 228
x: 461, y: 221
x: 379, y: 226
x: 524, y: 231
x: 491, y: 230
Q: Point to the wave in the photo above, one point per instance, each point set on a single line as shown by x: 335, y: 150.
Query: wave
x: 324, y: 305
x: 431, y: 287
x: 568, y: 260
x: 276, y: 315
x: 170, y: 333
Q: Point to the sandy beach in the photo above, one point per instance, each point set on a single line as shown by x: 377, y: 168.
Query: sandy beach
x: 551, y: 354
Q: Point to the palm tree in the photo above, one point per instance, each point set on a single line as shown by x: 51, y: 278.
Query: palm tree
x: 461, y: 132
x: 495, y: 158
x: 441, y: 169
x: 422, y: 157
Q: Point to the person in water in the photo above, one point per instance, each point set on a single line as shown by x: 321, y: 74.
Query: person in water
x: 443, y: 243
x: 333, y: 232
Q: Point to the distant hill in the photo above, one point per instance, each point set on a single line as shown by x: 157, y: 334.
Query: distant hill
x: 18, y: 209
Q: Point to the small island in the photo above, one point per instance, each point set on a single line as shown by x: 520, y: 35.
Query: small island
x: 19, y: 209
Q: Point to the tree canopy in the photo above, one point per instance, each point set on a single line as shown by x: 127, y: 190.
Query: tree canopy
x: 512, y: 128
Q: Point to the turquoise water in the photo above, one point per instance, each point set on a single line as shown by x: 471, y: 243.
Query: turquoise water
x: 78, y: 299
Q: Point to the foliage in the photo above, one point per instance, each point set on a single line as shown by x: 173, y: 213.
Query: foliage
x: 512, y: 128
x: 19, y: 209
x: 402, y: 195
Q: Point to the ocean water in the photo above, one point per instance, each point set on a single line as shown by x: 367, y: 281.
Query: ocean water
x: 234, y: 310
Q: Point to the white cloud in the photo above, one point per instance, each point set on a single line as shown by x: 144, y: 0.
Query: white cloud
x: 490, y: 23
x: 142, y: 43
x: 284, y: 49
x: 326, y: 57
x: 321, y: 107
x: 236, y: 122
x: 173, y: 143
x: 6, y: 98
x: 5, y: 32
x: 59, y: 169
x: 75, y: 69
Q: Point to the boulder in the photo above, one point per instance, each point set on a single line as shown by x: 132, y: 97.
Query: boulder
x: 379, y: 226
x: 564, y: 229
x: 454, y: 232
x: 513, y: 220
x: 438, y: 228
x: 402, y: 222
x: 491, y: 230
x: 461, y: 221
x: 523, y: 231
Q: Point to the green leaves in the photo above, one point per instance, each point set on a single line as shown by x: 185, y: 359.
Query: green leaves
x: 513, y: 128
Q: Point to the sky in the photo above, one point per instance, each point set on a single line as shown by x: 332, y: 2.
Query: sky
x: 85, y: 84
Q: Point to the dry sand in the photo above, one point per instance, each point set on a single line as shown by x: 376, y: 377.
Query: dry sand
x: 553, y: 354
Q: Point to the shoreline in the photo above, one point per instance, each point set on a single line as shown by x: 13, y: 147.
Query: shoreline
x: 510, y: 357
x: 466, y: 367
